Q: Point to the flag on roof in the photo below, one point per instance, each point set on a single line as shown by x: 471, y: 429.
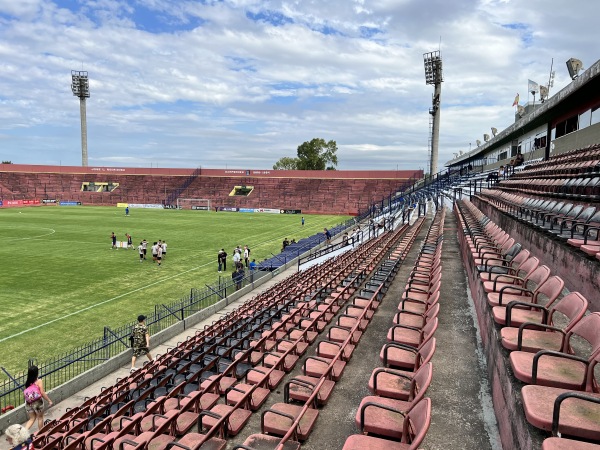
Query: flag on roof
x: 516, y: 102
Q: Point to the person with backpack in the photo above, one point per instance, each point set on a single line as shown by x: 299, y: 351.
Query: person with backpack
x: 34, y: 398
x: 19, y: 437
x: 140, y: 341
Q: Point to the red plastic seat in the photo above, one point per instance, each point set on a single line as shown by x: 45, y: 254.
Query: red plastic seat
x: 415, y: 424
x: 399, y: 384
x: 301, y: 387
x: 265, y: 442
x: 405, y: 357
x: 570, y: 413
x: 556, y: 369
x: 417, y: 320
x: 572, y: 305
x: 529, y: 292
x: 279, y: 418
x: 525, y: 271
x: 412, y: 336
x: 555, y: 443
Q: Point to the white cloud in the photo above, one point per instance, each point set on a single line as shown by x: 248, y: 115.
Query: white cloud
x: 187, y: 83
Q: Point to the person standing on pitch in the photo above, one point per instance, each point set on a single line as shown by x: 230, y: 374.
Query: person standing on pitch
x: 302, y: 220
x: 140, y: 341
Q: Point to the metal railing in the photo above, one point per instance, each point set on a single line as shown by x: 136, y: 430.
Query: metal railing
x: 62, y: 368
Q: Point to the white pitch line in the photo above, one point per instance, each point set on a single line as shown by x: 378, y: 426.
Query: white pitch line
x: 52, y: 231
x: 101, y: 303
x: 110, y: 299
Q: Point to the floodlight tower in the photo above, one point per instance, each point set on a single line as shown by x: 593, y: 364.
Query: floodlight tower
x: 433, y: 75
x: 80, y: 86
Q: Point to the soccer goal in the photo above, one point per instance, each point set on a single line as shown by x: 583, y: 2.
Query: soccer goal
x: 200, y: 204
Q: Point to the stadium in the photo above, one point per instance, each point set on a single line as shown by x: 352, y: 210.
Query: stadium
x: 452, y: 307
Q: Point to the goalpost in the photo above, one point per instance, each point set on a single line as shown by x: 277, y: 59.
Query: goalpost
x: 201, y: 204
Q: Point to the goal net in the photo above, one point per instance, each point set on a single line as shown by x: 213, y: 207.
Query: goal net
x: 201, y: 204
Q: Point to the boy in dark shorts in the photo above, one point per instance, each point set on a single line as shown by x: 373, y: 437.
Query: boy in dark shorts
x: 113, y: 238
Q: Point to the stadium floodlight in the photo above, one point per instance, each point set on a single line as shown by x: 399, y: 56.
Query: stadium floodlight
x: 80, y: 86
x: 574, y: 65
x: 494, y: 131
x: 478, y: 142
x: 486, y: 137
x: 543, y: 93
x: 520, y: 111
x: 433, y: 75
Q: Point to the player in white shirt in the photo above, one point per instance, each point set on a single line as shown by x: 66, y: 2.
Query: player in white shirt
x: 141, y: 251
x: 164, y: 249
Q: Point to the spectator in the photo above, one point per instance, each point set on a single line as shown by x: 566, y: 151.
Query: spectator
x: 327, y: 234
x: 501, y: 172
x: 293, y: 241
x: 140, y: 341
x: 519, y: 159
x: 236, y: 257
x: 34, y: 398
x: 18, y: 437
x: 285, y: 244
x: 345, y: 239
x: 253, y: 265
x: 238, y: 277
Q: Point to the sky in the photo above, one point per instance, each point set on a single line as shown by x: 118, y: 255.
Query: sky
x: 242, y: 83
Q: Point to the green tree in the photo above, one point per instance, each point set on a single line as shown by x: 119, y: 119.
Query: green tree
x: 6, y: 162
x: 317, y: 155
x: 314, y: 155
x: 286, y: 163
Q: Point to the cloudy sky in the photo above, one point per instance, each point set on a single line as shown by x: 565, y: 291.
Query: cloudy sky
x: 241, y: 83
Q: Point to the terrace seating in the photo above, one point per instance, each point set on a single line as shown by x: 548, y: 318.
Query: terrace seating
x: 543, y: 349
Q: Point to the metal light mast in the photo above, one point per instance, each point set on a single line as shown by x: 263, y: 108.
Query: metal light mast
x: 433, y: 75
x: 81, y: 88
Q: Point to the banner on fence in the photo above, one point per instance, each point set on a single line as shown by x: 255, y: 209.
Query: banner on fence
x: 199, y: 208
x: 146, y: 205
x: 291, y: 211
x: 228, y: 208
x: 246, y: 210
x: 12, y: 203
x: 1, y: 203
x: 267, y: 210
x: 69, y: 203
x: 49, y: 200
x: 122, y: 205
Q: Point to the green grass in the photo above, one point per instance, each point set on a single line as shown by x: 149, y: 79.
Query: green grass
x: 62, y: 283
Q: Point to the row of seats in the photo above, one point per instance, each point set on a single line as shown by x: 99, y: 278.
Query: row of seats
x: 397, y: 415
x: 287, y: 424
x: 576, y: 224
x: 582, y: 188
x: 217, y: 378
x: 545, y: 332
x: 574, y: 162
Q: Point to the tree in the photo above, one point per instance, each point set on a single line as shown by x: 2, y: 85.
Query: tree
x: 317, y: 155
x: 6, y: 162
x: 314, y: 155
x: 286, y: 163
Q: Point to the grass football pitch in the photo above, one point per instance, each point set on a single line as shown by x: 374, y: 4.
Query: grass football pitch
x: 62, y: 283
